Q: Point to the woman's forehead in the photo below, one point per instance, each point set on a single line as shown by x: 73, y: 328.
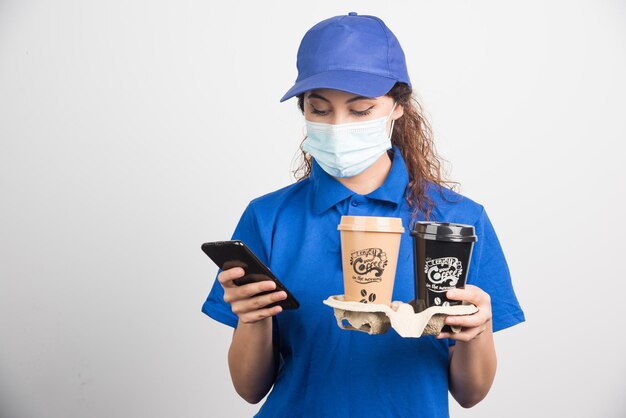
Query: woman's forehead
x: 333, y: 94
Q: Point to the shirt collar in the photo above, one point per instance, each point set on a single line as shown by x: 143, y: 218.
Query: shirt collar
x: 327, y: 191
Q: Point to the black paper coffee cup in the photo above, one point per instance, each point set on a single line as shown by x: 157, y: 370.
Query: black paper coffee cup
x: 443, y: 252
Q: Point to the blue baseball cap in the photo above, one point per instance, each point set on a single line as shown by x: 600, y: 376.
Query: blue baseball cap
x: 357, y: 54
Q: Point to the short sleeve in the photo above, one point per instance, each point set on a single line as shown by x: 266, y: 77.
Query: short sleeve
x: 247, y: 231
x: 488, y: 270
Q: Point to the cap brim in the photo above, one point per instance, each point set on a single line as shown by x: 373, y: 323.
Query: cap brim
x: 354, y: 82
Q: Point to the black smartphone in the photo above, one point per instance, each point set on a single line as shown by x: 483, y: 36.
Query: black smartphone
x: 229, y: 254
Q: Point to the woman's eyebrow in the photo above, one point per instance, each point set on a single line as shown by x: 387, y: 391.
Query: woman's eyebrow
x: 353, y: 99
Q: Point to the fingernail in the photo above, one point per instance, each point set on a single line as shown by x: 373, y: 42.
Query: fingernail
x: 451, y: 293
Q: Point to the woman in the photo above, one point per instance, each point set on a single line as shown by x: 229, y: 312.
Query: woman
x: 367, y: 152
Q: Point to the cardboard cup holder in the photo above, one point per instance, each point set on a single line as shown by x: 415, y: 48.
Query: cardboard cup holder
x: 378, y: 318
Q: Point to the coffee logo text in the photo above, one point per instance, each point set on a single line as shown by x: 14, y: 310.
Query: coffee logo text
x: 442, y: 273
x: 368, y: 264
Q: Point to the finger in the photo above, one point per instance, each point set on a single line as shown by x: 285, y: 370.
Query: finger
x: 259, y: 314
x: 470, y: 293
x: 252, y: 289
x: 460, y: 336
x: 236, y: 293
x: 467, y: 321
x: 244, y: 306
x: 466, y: 334
x: 226, y: 277
x: 466, y: 294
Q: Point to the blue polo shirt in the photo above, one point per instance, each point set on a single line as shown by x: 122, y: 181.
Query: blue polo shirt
x: 329, y: 372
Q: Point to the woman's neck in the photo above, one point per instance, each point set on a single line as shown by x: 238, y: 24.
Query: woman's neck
x: 370, y: 179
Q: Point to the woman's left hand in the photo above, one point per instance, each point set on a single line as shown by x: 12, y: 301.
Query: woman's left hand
x: 471, y: 325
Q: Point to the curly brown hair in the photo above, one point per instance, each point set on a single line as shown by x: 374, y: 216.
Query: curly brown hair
x: 413, y: 136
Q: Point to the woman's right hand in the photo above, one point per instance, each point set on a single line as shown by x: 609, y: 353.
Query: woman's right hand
x: 245, y: 301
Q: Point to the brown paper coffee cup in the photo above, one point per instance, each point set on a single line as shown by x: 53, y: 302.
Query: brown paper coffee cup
x: 369, y: 253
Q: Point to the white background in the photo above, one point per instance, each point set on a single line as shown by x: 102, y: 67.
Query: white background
x: 133, y: 131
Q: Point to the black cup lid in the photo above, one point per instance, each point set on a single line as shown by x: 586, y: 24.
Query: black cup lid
x: 444, y: 231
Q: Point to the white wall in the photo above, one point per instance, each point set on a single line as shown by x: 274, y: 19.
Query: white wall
x: 133, y: 131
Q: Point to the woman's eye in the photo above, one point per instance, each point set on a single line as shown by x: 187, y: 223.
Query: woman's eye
x: 318, y: 112
x: 362, y: 112
x: 354, y: 112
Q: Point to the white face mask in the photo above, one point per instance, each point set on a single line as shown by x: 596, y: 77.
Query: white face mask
x: 347, y: 149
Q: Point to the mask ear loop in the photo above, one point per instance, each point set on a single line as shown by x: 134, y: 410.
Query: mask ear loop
x: 393, y: 120
x: 305, y: 138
